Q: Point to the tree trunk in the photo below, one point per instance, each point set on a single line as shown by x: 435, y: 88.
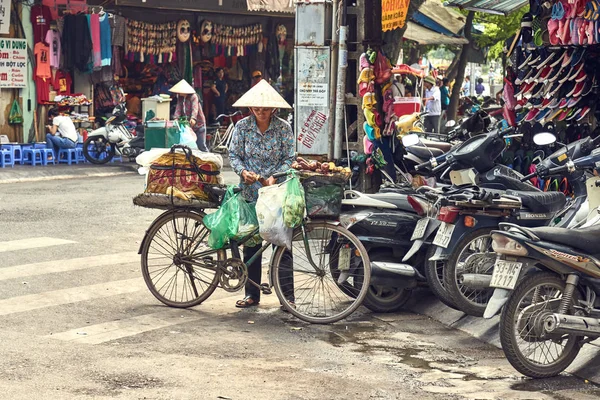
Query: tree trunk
x: 462, y: 65
x: 413, y: 55
x: 452, y: 69
x: 392, y: 40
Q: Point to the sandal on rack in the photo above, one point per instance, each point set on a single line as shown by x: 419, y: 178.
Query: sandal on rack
x: 246, y: 302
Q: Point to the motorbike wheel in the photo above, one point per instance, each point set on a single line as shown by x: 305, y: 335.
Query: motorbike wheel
x: 385, y: 299
x: 522, y: 323
x: 434, y: 272
x: 98, y: 150
x: 470, y: 301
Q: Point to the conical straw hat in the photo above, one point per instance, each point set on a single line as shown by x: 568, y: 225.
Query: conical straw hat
x: 182, y: 88
x: 262, y: 95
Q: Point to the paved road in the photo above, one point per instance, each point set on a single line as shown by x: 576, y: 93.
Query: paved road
x: 78, y: 322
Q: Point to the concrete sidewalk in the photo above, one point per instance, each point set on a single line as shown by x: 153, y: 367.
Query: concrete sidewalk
x: 424, y: 302
x: 28, y: 173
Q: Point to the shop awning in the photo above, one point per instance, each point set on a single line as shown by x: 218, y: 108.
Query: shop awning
x: 433, y: 15
x: 280, y: 6
x: 500, y: 7
x: 422, y: 35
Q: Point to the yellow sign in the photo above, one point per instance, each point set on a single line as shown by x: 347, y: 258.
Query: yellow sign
x: 393, y: 14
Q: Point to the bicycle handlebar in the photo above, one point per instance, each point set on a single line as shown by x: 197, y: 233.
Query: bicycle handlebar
x: 228, y: 115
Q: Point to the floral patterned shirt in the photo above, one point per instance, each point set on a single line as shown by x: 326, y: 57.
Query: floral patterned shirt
x: 262, y: 153
x: 189, y: 106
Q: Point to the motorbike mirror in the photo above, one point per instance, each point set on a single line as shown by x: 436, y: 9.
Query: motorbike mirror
x: 410, y: 140
x: 451, y: 124
x: 544, y: 138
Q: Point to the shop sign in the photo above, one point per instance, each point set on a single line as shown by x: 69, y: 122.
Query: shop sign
x: 5, y: 16
x: 393, y: 14
x: 13, y: 63
x: 312, y: 116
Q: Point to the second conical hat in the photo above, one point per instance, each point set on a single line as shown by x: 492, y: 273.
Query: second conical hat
x: 182, y: 88
x: 262, y: 95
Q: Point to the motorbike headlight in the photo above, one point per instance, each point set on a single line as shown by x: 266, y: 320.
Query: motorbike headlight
x: 505, y: 245
x: 348, y: 219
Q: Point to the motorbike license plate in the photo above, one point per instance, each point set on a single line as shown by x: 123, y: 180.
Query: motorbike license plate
x: 344, y: 260
x: 419, y: 231
x: 443, y: 235
x: 506, y: 274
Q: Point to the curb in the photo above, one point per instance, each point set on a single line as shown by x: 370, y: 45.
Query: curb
x: 23, y: 175
x: 62, y: 177
x: 423, y: 302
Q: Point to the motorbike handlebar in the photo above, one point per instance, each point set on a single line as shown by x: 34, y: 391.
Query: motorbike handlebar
x: 423, y: 165
x: 528, y: 177
x: 440, y: 167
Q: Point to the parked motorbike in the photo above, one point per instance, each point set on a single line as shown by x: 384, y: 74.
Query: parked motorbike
x: 385, y: 222
x: 554, y: 276
x: 469, y: 265
x: 102, y: 143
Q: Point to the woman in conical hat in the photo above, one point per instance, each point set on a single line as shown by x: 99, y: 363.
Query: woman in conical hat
x: 188, y: 105
x: 261, y: 146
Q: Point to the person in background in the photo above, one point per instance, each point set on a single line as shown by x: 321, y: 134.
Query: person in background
x: 433, y: 105
x: 256, y: 77
x: 188, y: 105
x: 479, y: 89
x: 398, y: 88
x: 63, y: 134
x: 261, y: 146
x: 445, y: 94
x: 220, y: 89
x: 466, y: 87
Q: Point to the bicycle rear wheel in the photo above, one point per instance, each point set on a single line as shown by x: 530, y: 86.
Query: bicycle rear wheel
x: 178, y: 266
x: 333, y: 285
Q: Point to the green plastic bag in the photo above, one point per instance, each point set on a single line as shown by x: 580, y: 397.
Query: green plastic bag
x: 16, y: 115
x: 295, y: 205
x: 235, y: 219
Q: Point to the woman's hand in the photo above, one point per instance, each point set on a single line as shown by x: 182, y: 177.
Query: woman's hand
x: 192, y: 122
x: 249, y: 177
x: 270, y: 181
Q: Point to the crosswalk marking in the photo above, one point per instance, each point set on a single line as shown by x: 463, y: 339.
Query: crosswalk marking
x: 49, y: 267
x: 105, y: 332
x: 32, y: 243
x: 72, y: 295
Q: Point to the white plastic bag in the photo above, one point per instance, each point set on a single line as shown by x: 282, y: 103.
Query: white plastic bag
x: 269, y: 210
x: 187, y: 136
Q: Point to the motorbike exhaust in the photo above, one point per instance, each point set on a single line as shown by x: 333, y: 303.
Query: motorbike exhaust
x: 391, y: 269
x: 564, y: 324
x: 475, y: 281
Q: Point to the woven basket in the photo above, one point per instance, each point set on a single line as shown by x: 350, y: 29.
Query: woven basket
x: 168, y: 202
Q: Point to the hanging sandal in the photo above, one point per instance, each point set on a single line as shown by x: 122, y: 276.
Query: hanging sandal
x: 247, y: 302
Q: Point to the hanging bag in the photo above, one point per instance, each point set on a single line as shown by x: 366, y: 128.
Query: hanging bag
x: 15, y: 116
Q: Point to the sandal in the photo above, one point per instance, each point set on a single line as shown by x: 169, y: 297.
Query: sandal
x: 291, y: 303
x: 247, y: 302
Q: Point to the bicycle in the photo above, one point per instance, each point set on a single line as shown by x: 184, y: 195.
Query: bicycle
x: 219, y: 143
x: 181, y: 271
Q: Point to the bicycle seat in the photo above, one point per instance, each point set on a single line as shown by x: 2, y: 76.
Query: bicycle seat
x: 219, y: 191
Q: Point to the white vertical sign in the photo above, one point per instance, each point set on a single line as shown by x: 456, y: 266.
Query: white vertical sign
x: 4, y: 16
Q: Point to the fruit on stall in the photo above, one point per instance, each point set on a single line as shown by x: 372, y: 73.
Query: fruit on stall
x: 327, y: 167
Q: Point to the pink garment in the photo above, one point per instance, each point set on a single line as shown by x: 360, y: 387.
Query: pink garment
x: 96, y: 43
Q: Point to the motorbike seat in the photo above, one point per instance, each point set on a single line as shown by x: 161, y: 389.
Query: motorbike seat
x: 540, y: 202
x: 424, y: 153
x: 436, y: 144
x: 396, y: 199
x: 584, y: 239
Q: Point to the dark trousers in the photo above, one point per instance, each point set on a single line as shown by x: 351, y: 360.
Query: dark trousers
x: 432, y: 123
x: 286, y: 273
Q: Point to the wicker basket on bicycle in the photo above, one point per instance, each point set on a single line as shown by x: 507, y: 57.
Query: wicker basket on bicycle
x: 323, y: 193
x: 180, y: 179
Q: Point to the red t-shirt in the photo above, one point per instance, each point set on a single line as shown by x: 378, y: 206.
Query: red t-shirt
x: 42, y: 58
x: 41, y: 16
x: 42, y: 87
x: 62, y: 83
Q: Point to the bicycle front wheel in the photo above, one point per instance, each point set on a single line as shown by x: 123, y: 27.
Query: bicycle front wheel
x: 178, y: 266
x: 326, y: 275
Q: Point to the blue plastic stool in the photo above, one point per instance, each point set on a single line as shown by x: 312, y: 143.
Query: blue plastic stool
x: 70, y: 156
x: 79, y: 151
x: 32, y: 156
x: 7, y: 158
x: 48, y: 156
x: 17, y: 153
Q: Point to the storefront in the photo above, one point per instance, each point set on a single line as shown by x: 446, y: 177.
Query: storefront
x: 130, y: 51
